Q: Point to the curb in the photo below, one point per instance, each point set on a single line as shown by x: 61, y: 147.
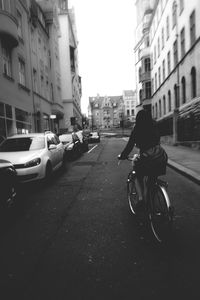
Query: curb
x: 192, y: 175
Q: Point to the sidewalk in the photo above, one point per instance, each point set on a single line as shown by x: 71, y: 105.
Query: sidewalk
x: 185, y: 160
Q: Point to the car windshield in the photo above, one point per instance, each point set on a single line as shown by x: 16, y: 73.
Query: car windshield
x: 22, y: 144
x: 67, y: 138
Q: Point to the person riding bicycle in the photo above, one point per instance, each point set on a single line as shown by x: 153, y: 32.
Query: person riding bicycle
x: 152, y: 158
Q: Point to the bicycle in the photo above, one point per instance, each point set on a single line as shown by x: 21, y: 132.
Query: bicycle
x: 157, y: 205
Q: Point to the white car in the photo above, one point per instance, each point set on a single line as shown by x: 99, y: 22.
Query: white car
x: 94, y: 137
x: 34, y: 156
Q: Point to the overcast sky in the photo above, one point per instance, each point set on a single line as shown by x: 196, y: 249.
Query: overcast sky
x: 105, y: 31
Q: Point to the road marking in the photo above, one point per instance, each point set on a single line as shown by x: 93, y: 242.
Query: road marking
x: 92, y: 148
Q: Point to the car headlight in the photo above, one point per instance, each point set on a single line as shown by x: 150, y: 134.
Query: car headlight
x: 32, y: 163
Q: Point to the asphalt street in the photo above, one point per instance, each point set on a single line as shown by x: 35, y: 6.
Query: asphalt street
x: 75, y: 237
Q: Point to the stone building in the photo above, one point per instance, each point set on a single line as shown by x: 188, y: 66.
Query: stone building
x: 45, y: 60
x: 70, y: 79
x: 106, y: 112
x: 16, y: 100
x: 129, y: 99
x: 39, y: 82
x: 174, y: 41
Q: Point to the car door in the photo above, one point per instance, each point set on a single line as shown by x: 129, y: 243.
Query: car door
x: 60, y: 149
x: 52, y: 153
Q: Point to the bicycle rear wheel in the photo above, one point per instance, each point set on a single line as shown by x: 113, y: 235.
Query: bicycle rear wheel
x: 160, y: 213
x: 131, y: 192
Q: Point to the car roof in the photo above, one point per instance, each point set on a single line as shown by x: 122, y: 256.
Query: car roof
x: 23, y: 135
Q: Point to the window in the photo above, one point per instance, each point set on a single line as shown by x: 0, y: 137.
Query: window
x: 174, y: 14
x: 158, y: 47
x: 140, y: 74
x: 175, y: 53
x: 2, y: 4
x: 154, y: 54
x: 156, y: 81
x: 63, y: 4
x: 148, y: 89
x: 22, y: 80
x: 169, y: 101
x: 164, y: 105
x: 147, y: 66
x: 192, y: 28
x: 128, y: 112
x: 5, y: 5
x: 152, y: 85
x: 163, y: 66
x: 169, y: 62
x: 176, y: 96
x: 160, y: 109
x: 35, y: 87
x: 156, y: 115
x: 19, y: 28
x: 6, y: 57
x: 140, y: 95
x: 193, y: 82
x: 163, y: 38
x: 183, y: 90
x: 159, y: 76
x: 182, y: 42
x: 167, y: 27
x: 181, y: 6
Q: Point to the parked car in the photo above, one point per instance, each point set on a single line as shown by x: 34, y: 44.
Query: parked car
x: 72, y: 145
x: 8, y: 183
x: 34, y: 156
x: 83, y: 139
x: 94, y: 137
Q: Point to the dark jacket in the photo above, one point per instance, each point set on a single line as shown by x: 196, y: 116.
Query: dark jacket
x: 142, y: 138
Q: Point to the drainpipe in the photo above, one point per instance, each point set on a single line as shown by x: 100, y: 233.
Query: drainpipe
x: 177, y: 98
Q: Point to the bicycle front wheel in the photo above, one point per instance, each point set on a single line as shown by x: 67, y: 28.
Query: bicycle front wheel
x: 131, y: 192
x: 160, y: 213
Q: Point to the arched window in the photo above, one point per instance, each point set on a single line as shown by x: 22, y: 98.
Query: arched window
x: 140, y: 95
x: 174, y: 14
x: 164, y: 105
x: 153, y: 111
x: 193, y: 82
x: 156, y: 114
x: 183, y: 87
x: 176, y: 101
x: 169, y: 101
x: 160, y: 109
x: 140, y: 74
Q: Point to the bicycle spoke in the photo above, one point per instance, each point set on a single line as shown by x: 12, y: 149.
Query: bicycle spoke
x: 160, y: 217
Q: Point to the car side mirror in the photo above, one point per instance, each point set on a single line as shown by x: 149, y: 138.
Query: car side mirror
x: 52, y: 147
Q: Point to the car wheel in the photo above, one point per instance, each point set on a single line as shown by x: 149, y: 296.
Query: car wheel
x: 48, y: 171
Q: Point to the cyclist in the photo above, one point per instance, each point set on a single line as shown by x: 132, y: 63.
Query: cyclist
x: 152, y: 158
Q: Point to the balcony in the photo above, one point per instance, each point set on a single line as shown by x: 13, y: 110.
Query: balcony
x: 8, y: 28
x: 145, y: 52
x: 145, y: 76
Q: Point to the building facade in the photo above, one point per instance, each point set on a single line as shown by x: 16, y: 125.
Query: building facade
x: 129, y: 99
x: 174, y: 39
x: 39, y: 81
x: 105, y: 112
x: 45, y: 61
x: 16, y: 101
x: 70, y: 79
